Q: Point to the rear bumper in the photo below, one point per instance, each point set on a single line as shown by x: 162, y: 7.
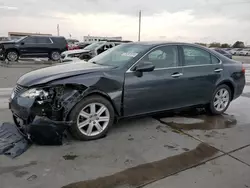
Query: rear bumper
x: 239, y: 87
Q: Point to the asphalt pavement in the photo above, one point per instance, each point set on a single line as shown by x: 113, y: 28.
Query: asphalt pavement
x: 189, y: 149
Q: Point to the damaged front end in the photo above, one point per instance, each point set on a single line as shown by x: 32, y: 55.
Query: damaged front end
x: 44, y: 109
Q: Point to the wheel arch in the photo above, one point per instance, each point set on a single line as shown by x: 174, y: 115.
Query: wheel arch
x: 97, y: 93
x: 230, y: 85
x: 12, y: 49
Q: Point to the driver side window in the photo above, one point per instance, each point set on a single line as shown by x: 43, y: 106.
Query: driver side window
x: 163, y: 57
x: 30, y: 40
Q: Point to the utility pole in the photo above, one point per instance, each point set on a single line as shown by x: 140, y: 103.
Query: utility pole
x: 58, y: 30
x: 139, y: 35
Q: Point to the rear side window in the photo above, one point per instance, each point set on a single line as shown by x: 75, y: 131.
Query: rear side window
x: 43, y: 40
x: 196, y: 56
x: 60, y: 40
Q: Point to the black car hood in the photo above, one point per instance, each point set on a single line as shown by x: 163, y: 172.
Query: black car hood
x: 45, y: 75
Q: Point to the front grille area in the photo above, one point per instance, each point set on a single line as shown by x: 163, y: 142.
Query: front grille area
x: 18, y: 90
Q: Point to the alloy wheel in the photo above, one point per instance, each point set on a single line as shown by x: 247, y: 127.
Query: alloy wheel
x: 12, y: 56
x: 93, y: 119
x: 55, y: 56
x: 221, y: 99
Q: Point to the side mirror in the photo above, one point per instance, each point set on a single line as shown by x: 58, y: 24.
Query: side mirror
x: 145, y: 67
x: 22, y: 43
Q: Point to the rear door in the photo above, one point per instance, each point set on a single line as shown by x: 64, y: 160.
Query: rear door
x: 201, y: 71
x: 44, y: 45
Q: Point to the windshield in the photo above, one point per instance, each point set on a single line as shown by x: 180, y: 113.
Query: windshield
x: 119, y: 55
x: 18, y: 40
x: 93, y: 45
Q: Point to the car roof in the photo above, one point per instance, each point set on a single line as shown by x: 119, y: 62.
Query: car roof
x: 157, y: 43
x: 45, y: 36
x: 153, y: 44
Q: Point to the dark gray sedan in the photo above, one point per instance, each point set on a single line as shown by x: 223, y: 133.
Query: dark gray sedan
x: 128, y: 80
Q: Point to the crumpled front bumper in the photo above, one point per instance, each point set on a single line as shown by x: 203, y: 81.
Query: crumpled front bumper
x: 22, y: 107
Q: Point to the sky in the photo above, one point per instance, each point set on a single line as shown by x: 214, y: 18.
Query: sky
x: 207, y: 21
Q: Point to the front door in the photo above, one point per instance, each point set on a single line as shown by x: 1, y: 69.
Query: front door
x: 158, y: 90
x: 201, y: 71
x: 26, y: 46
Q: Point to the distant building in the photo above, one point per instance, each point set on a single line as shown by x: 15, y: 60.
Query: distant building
x: 17, y: 35
x: 96, y: 38
x: 4, y: 38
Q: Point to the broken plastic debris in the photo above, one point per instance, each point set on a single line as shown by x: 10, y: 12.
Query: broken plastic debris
x: 44, y: 131
x: 31, y: 178
x: 12, y: 142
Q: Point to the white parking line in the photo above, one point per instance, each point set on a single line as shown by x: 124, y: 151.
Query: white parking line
x: 4, y: 103
x: 5, y: 92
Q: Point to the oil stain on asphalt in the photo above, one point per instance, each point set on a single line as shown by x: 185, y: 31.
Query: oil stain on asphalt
x: 146, y: 173
x: 8, y: 169
x: 70, y: 157
x: 206, y: 123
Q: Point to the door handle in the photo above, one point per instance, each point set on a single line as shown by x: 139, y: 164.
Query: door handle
x: 218, y: 70
x: 176, y: 75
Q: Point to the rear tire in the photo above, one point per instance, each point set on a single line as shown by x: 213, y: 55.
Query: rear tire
x: 92, y: 118
x: 55, y: 56
x: 220, y: 100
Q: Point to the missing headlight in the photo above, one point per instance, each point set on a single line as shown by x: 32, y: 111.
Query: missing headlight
x: 40, y: 94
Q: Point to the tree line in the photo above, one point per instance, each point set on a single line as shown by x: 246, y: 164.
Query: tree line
x: 237, y: 44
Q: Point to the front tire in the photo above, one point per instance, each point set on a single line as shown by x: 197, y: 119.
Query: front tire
x: 92, y: 118
x: 12, y: 56
x: 220, y: 100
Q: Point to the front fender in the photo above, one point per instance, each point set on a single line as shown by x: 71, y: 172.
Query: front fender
x: 109, y: 87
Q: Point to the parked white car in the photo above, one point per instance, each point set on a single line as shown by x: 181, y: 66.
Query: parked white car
x: 72, y: 55
x: 245, y: 52
x: 237, y: 52
x: 231, y: 51
x: 88, y: 52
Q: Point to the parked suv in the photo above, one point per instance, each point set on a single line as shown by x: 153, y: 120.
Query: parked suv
x: 35, y: 46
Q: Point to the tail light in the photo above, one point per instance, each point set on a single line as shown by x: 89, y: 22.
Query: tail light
x: 67, y: 46
x: 243, y: 69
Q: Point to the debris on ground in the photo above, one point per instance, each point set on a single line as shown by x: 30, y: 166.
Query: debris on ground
x: 70, y: 157
x: 31, y: 178
x: 41, y: 131
x: 12, y: 142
